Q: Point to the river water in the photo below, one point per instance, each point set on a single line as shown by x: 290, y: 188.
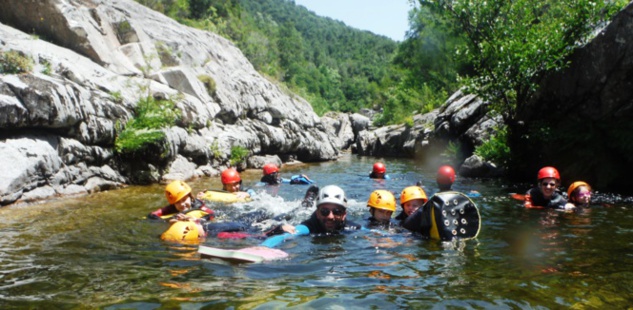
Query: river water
x: 98, y: 251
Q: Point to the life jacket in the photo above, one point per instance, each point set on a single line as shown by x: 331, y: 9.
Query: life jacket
x: 446, y: 216
x: 534, y: 198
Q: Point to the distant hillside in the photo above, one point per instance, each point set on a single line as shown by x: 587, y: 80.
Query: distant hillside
x: 334, y: 66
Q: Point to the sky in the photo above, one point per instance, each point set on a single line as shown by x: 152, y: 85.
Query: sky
x: 384, y: 17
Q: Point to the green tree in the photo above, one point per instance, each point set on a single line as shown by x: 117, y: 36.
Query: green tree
x: 512, y: 44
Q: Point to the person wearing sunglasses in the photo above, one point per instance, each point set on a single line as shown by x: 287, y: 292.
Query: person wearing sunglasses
x: 545, y: 194
x: 329, y: 218
x: 579, y: 195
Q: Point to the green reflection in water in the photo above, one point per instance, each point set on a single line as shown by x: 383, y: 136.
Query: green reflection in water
x: 99, y: 251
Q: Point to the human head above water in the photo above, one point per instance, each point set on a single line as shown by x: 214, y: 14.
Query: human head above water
x: 412, y: 198
x: 445, y: 177
x: 231, y: 180
x: 381, y: 204
x: 183, y: 232
x: 379, y: 168
x: 331, y: 208
x: 579, y: 192
x: 270, y: 168
x: 548, y: 180
x: 178, y: 193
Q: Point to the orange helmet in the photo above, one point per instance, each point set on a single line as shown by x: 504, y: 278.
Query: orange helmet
x: 176, y: 190
x: 382, y: 199
x: 379, y: 168
x: 230, y: 176
x: 445, y: 175
x: 411, y: 193
x: 184, y: 232
x: 576, y: 185
x: 548, y: 172
x: 270, y: 168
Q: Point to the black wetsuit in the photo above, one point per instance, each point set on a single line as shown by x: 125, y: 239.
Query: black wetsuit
x: 401, y: 218
x: 556, y: 202
x: 196, y: 204
x: 315, y: 226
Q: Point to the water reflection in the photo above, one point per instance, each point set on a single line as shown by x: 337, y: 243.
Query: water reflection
x: 98, y: 251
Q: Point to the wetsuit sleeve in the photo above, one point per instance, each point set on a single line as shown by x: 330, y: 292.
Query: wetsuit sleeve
x: 558, y: 202
x: 162, y: 211
x: 278, y: 239
x: 215, y: 228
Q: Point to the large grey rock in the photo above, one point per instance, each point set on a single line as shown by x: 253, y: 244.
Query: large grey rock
x: 584, y: 112
x: 180, y: 169
x: 101, y: 58
x: 258, y: 162
x: 29, y: 161
x: 475, y: 166
x: 339, y: 126
x: 398, y: 140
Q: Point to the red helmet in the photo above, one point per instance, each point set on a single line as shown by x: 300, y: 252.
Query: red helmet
x: 548, y: 172
x: 379, y: 168
x: 230, y: 176
x: 445, y: 175
x: 270, y: 168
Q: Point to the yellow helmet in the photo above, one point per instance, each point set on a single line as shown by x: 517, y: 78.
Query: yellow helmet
x: 184, y: 232
x: 382, y: 199
x: 176, y: 190
x: 411, y: 193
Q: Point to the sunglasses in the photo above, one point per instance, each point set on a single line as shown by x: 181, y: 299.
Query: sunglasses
x: 582, y: 195
x: 545, y: 184
x: 326, y: 212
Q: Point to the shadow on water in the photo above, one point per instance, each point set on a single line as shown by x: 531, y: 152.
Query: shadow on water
x: 99, y: 251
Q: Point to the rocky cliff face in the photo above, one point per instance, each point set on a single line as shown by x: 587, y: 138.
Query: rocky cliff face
x: 580, y: 120
x: 94, y: 60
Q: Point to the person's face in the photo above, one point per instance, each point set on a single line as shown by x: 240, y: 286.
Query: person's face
x: 382, y: 215
x: 412, y: 205
x: 232, y: 187
x: 548, y: 186
x: 331, y: 216
x: 583, y: 195
x: 379, y: 175
x: 183, y: 204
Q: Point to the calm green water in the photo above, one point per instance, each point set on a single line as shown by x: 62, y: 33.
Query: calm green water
x: 99, y: 252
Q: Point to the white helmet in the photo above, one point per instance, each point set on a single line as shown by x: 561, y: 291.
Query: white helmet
x: 332, y: 194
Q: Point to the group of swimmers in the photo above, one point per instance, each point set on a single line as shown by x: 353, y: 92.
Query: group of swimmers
x: 330, y: 216
x: 545, y: 194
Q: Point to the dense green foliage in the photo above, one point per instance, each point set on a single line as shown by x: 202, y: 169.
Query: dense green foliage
x: 511, y: 44
x: 144, y: 129
x: 238, y: 155
x: 13, y: 62
x: 496, y: 148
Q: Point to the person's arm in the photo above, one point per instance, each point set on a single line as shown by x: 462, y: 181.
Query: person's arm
x: 300, y: 230
x: 155, y: 215
x: 558, y: 202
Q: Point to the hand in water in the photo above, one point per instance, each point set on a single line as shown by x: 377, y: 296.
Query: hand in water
x: 242, y: 195
x: 289, y: 228
x: 200, y: 195
x: 181, y: 217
